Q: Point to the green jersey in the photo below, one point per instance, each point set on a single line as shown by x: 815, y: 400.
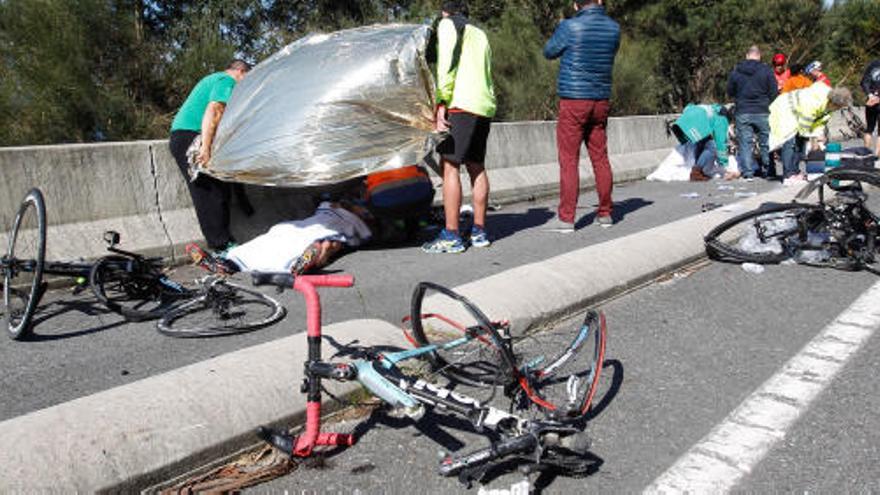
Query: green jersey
x: 216, y: 87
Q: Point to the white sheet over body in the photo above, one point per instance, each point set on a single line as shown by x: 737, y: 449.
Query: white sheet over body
x: 278, y: 249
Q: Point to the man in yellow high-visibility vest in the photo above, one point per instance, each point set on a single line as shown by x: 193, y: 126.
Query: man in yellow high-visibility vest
x: 465, y: 107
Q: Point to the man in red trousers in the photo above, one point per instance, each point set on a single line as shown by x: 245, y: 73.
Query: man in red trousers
x: 587, y: 44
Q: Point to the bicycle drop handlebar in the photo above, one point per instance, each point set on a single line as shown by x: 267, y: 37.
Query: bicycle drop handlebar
x: 287, y: 280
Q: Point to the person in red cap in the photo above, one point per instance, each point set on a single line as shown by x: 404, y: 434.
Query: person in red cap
x: 780, y: 71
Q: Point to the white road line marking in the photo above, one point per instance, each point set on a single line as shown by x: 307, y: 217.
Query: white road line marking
x: 732, y: 449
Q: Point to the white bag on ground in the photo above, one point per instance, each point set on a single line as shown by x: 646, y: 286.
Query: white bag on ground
x: 677, y: 165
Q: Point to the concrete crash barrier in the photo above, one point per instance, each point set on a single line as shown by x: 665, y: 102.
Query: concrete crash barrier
x: 137, y: 189
x: 139, y: 434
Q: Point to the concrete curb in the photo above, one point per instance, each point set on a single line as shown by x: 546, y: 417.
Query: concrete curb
x: 530, y: 295
x: 137, y: 435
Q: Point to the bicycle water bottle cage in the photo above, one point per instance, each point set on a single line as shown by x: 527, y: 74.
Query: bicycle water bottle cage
x: 111, y: 237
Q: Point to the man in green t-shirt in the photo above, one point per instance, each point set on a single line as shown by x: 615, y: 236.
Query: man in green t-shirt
x: 200, y: 115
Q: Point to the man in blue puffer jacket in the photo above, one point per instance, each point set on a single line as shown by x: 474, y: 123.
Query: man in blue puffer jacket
x: 587, y: 43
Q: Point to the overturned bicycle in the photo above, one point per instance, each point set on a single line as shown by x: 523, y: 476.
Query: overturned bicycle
x: 548, y: 379
x: 125, y: 282
x: 838, y: 231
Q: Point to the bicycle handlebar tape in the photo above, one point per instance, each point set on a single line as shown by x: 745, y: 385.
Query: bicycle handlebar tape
x: 327, y: 280
x: 312, y: 437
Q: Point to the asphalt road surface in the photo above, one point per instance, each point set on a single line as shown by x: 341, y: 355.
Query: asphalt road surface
x: 683, y: 353
x: 80, y: 348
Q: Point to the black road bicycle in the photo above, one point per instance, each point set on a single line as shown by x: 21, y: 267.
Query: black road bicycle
x: 837, y: 232
x: 125, y: 282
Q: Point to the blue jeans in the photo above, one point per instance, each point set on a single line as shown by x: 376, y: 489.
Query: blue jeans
x: 707, y: 158
x: 748, y: 127
x: 791, y: 156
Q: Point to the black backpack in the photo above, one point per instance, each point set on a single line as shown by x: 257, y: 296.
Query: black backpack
x: 460, y: 23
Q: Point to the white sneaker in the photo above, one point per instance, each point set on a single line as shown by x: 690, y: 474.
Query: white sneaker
x: 558, y: 226
x: 794, y: 180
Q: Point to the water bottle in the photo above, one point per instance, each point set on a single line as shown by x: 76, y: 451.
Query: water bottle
x: 832, y: 156
x: 832, y: 159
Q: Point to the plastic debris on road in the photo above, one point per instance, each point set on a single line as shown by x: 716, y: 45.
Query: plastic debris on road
x: 328, y: 108
x: 732, y: 207
x: 725, y: 187
x: 814, y: 252
x: 690, y: 195
x: 753, y: 268
x: 745, y: 194
x: 523, y: 487
x: 770, y: 224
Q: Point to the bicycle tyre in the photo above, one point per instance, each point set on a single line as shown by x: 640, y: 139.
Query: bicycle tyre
x: 18, y: 321
x: 126, y: 292
x: 200, y: 317
x: 565, y: 384
x: 846, y: 173
x: 722, y: 242
x: 485, y: 360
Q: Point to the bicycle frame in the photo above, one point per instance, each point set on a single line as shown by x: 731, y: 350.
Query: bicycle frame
x: 75, y: 269
x: 409, y: 394
x: 406, y: 393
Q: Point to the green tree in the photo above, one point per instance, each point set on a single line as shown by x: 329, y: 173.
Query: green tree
x: 638, y: 87
x: 525, y: 82
x: 61, y: 66
x: 853, y: 40
x: 704, y: 40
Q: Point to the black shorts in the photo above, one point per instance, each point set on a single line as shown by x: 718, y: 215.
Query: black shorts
x: 871, y: 118
x: 468, y: 134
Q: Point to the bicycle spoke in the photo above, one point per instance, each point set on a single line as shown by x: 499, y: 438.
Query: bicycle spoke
x: 468, y: 346
x: 221, y: 309
x: 562, y: 366
x: 24, y: 263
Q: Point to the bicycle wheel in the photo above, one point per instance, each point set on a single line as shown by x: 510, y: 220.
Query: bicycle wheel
x: 561, y: 368
x: 26, y: 258
x: 470, y: 348
x: 222, y: 309
x: 125, y: 287
x: 766, y: 235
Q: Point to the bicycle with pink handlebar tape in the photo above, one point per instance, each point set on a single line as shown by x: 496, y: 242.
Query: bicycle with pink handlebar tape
x: 563, y: 396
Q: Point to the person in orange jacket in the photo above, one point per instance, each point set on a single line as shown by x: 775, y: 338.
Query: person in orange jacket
x: 798, y: 80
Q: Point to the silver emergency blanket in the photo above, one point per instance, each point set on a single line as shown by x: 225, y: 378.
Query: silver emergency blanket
x: 329, y: 107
